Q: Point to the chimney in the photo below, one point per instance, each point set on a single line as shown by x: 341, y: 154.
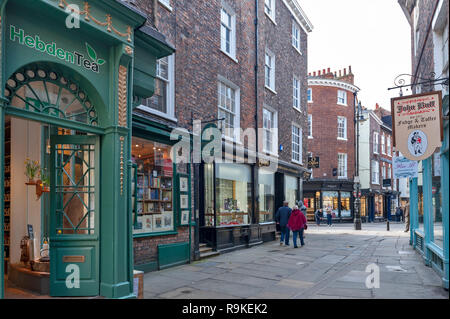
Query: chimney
x: 345, y: 71
x: 319, y: 72
x: 377, y: 106
x: 324, y: 72
x: 314, y: 73
x: 349, y: 69
x: 328, y: 71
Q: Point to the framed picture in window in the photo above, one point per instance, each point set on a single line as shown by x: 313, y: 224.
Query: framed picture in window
x: 184, y: 217
x: 184, y: 184
x: 167, y: 220
x: 157, y: 222
x: 184, y: 201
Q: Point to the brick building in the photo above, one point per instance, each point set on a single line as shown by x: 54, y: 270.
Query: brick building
x: 379, y: 196
x: 429, y: 201
x: 237, y: 65
x: 331, y: 142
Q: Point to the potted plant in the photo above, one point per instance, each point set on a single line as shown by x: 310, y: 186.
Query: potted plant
x: 43, y: 184
x: 31, y: 171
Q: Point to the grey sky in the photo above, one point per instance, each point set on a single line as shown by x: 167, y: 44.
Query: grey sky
x: 371, y: 36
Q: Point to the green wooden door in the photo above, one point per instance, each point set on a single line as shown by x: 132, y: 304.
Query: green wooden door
x: 74, y: 215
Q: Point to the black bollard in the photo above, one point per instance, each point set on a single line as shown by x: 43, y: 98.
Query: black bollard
x: 387, y: 225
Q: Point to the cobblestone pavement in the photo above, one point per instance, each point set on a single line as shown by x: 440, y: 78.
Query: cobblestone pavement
x: 332, y: 264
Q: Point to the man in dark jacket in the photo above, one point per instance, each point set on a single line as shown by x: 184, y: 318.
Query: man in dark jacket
x: 282, y: 218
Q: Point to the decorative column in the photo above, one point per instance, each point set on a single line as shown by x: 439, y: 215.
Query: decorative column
x: 2, y: 190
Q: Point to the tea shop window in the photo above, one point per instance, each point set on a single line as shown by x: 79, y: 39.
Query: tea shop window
x: 152, y: 187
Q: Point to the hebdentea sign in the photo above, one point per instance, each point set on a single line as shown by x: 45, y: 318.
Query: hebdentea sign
x: 87, y: 60
x: 417, y: 124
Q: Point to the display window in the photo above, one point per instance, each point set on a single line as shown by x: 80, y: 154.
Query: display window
x: 345, y: 204
x: 363, y: 208
x: 209, y: 194
x: 290, y: 189
x: 311, y: 201
x: 266, y: 196
x: 379, y: 207
x: 233, y: 194
x: 331, y: 199
x: 153, y: 187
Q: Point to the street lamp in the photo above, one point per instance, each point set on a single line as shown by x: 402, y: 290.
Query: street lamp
x: 357, y: 183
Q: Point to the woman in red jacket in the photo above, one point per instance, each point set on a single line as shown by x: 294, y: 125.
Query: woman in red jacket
x: 297, y: 223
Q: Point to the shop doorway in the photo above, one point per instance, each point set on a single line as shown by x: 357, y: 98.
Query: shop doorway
x: 53, y: 218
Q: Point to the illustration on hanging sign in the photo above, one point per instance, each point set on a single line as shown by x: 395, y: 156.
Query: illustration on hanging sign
x: 91, y: 61
x: 417, y: 124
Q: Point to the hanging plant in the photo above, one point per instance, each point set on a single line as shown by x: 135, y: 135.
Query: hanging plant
x: 45, y: 178
x: 31, y: 171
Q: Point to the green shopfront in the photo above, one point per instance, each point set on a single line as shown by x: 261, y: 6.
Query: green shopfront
x: 69, y: 79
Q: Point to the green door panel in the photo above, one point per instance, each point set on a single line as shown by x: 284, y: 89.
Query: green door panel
x: 74, y: 215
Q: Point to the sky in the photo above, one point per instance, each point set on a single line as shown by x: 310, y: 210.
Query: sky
x: 371, y: 36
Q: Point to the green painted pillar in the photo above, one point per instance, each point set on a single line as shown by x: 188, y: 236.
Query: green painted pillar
x: 115, y: 234
x: 445, y: 193
x: 2, y: 176
x: 413, y: 209
x: 427, y: 209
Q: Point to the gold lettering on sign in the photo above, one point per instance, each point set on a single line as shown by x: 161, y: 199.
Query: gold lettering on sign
x: 73, y: 259
x: 123, y: 94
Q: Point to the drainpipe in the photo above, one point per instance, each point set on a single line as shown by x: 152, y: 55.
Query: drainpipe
x: 255, y: 194
x: 155, y: 13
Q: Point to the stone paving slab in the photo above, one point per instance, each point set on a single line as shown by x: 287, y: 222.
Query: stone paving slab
x: 332, y: 265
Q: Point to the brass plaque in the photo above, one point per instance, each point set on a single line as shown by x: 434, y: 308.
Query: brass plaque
x: 73, y: 259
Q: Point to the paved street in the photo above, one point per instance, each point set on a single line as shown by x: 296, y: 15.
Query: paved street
x: 331, y: 265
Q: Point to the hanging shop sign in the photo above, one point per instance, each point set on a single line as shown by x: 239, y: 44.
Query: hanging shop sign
x: 87, y: 60
x: 314, y: 162
x: 417, y: 124
x: 404, y: 168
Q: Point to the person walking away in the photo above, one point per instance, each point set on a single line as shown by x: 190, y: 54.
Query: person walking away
x: 297, y: 223
x: 329, y: 216
x: 318, y: 214
x: 406, y: 218
x: 282, y: 218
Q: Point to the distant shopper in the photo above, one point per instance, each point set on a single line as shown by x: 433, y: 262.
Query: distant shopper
x: 303, y: 209
x: 406, y: 218
x: 297, y: 223
x: 318, y: 215
x: 398, y: 214
x: 329, y: 216
x: 282, y: 218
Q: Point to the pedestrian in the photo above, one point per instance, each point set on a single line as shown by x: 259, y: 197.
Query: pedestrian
x: 318, y: 214
x: 297, y: 223
x: 406, y: 209
x: 397, y: 214
x: 329, y: 216
x: 282, y: 218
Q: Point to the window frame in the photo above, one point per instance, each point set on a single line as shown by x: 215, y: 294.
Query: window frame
x: 273, y: 131
x: 296, y: 97
x: 375, y: 172
x: 309, y: 95
x: 345, y: 137
x: 271, y: 67
x: 375, y: 142
x: 272, y: 15
x: 345, y: 156
x: 344, y: 97
x: 300, y: 143
x: 310, y: 127
x: 236, y: 115
x: 296, y: 40
x: 170, y: 92
x: 232, y: 30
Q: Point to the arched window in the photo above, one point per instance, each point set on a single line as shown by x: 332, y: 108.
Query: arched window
x: 36, y: 89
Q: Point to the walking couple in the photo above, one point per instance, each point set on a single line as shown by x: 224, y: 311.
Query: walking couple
x: 288, y: 220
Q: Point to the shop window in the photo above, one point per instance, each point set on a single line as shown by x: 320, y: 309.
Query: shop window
x: 379, y: 206
x: 363, y: 208
x: 153, y: 187
x: 233, y: 194
x: 345, y: 204
x: 37, y: 90
x: 266, y: 196
x: 290, y: 189
x: 331, y: 199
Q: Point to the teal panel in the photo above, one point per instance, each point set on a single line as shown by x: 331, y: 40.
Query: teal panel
x: 152, y: 266
x: 173, y: 254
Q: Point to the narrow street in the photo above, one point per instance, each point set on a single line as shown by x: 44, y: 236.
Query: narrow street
x: 332, y: 264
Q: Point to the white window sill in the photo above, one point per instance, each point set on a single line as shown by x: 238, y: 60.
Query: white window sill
x: 229, y: 56
x: 270, y: 153
x: 342, y: 177
x: 157, y: 113
x: 270, y: 18
x: 310, y: 137
x: 271, y: 90
x: 342, y: 139
x: 296, y: 162
x: 231, y: 139
x: 298, y: 50
x: 297, y: 109
x: 338, y: 103
x: 310, y: 101
x: 165, y: 5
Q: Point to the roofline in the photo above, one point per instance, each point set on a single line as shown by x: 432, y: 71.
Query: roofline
x: 299, y: 14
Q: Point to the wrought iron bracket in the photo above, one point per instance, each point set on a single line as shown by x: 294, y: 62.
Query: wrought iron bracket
x: 401, y: 80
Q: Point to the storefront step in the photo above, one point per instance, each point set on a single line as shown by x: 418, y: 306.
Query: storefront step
x: 25, y: 278
x: 204, y: 255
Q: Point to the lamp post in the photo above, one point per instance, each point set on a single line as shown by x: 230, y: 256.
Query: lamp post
x: 357, y: 184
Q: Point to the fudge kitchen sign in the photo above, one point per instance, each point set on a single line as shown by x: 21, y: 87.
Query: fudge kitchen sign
x: 417, y: 124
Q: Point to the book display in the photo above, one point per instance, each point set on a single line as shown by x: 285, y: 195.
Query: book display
x: 153, y: 187
x: 7, y: 196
